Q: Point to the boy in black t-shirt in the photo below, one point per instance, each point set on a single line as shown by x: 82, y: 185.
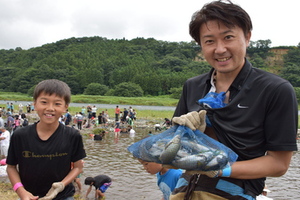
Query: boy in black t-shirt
x: 45, y: 150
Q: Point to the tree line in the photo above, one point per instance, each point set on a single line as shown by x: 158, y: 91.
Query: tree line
x: 99, y: 66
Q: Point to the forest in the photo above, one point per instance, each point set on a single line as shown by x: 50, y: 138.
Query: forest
x: 144, y: 67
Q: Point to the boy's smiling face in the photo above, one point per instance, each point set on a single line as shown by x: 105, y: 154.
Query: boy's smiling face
x: 50, y: 107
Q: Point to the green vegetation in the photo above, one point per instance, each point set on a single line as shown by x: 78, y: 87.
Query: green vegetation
x: 90, y: 99
x: 98, y: 131
x: 120, y: 67
x: 95, y: 89
x: 127, y: 89
x: 156, y: 66
x: 152, y: 116
x: 14, y: 96
x: 150, y: 101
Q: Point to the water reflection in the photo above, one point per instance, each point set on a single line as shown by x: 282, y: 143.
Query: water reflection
x: 130, y: 181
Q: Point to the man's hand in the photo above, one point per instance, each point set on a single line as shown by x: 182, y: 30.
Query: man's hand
x: 56, y: 188
x: 194, y: 120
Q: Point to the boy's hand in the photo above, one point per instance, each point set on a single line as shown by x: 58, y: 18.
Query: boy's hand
x: 56, y: 188
x: 194, y: 120
x: 24, y: 194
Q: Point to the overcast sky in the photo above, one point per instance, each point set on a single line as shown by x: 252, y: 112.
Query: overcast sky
x: 32, y: 23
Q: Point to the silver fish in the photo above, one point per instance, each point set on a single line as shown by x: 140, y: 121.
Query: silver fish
x: 209, y: 160
x: 194, y: 147
x: 191, y: 162
x: 182, y: 153
x: 150, y: 152
x: 171, y: 149
x: 218, y: 162
x: 155, y: 150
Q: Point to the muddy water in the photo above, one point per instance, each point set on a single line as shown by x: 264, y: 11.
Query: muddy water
x: 110, y: 157
x: 287, y: 186
x: 130, y: 181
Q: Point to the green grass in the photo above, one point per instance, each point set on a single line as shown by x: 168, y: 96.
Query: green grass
x: 151, y: 115
x: 150, y: 101
x: 14, y: 96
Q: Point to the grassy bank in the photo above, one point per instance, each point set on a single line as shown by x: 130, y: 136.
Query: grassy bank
x: 150, y: 101
x: 149, y: 115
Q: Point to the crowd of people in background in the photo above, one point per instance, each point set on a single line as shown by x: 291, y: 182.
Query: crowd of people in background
x: 93, y: 117
x: 11, y: 119
x: 88, y: 117
x: 14, y: 115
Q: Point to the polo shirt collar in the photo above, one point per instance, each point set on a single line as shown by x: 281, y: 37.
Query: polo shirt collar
x: 239, y: 80
x: 242, y: 76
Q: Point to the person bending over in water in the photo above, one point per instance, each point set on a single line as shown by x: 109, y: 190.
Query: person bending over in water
x: 101, y: 184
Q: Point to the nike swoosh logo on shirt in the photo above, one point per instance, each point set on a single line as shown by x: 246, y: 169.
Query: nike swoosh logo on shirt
x: 240, y: 106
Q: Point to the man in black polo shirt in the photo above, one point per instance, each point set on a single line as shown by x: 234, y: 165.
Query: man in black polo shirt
x: 260, y: 119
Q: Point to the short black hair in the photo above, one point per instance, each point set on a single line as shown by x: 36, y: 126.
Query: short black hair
x: 88, y: 180
x: 225, y: 12
x: 53, y: 86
